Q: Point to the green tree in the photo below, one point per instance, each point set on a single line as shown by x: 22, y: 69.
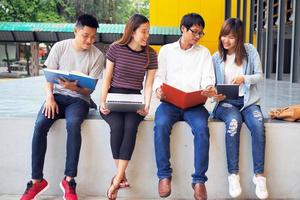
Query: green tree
x: 106, y: 11
x: 109, y: 11
x: 35, y: 11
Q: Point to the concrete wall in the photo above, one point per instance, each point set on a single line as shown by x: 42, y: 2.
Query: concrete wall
x: 96, y: 164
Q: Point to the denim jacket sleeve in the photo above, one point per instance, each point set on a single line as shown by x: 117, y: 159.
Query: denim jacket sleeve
x: 254, y: 72
x: 218, y: 68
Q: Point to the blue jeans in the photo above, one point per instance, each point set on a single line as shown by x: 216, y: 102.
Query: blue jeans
x: 75, y: 111
x: 165, y: 117
x: 229, y: 112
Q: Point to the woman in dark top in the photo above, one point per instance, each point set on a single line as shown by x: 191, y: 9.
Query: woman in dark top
x: 128, y: 60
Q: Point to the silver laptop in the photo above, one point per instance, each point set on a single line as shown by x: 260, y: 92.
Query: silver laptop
x: 124, y: 102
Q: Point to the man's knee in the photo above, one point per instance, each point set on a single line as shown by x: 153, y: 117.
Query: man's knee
x: 42, y: 124
x: 201, y: 130
x: 162, y: 124
x: 74, y: 123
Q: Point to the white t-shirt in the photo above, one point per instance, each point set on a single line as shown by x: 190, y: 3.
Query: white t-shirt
x: 64, y: 56
x: 231, y: 71
x: 188, y: 70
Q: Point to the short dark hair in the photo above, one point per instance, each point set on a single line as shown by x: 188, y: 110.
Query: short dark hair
x: 191, y: 19
x: 86, y: 20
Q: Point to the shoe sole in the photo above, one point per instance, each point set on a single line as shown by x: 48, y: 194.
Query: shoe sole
x: 62, y: 188
x: 42, y: 191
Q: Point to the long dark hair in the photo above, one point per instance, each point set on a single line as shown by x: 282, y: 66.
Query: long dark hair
x: 235, y: 27
x: 134, y: 23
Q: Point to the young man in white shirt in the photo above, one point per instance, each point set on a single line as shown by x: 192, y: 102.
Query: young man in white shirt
x: 187, y: 66
x: 65, y: 100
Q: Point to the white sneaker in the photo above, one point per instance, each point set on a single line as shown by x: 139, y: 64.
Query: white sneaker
x: 234, y: 185
x: 261, y: 187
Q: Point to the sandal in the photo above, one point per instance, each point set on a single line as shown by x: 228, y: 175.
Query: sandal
x: 124, y: 183
x: 113, y: 194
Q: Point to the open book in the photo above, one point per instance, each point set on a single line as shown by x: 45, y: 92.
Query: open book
x: 82, y: 79
x: 183, y: 99
x: 124, y: 102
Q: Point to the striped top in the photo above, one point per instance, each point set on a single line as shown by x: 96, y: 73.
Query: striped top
x: 130, y: 66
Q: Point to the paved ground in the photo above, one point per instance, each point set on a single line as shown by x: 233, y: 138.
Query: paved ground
x: 15, y: 197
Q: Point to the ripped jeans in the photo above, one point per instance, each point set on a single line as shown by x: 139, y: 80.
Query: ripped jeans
x: 229, y: 112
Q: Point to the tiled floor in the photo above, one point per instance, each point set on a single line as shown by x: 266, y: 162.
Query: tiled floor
x: 23, y: 97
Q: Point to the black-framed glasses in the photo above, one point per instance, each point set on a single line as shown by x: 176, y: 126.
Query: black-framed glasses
x: 195, y: 33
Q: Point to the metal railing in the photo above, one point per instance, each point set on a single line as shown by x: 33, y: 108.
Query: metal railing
x: 275, y: 24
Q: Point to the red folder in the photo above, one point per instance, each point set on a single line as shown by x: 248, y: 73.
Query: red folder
x: 182, y: 99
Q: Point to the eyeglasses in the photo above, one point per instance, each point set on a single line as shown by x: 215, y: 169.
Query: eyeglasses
x: 195, y: 33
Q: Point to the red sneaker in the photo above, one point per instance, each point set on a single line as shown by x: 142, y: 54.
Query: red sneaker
x: 69, y: 189
x: 34, y: 190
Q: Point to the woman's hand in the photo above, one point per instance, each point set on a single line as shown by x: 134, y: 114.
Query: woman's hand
x: 238, y: 80
x: 143, y: 112
x: 103, y: 109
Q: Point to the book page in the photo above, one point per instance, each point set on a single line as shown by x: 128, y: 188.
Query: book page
x: 56, y: 71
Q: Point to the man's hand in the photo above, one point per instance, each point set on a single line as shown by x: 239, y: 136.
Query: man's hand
x: 71, y: 85
x: 103, y: 109
x: 50, y: 108
x: 219, y: 97
x: 160, y: 94
x: 238, y: 80
x: 210, y: 91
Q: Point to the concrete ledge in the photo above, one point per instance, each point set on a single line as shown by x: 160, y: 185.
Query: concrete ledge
x: 96, y: 164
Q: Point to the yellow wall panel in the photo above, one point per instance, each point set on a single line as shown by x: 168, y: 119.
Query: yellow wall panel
x: 170, y: 12
x: 233, y: 8
x: 248, y: 22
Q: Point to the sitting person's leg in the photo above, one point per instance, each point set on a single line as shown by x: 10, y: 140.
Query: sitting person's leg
x: 166, y: 116
x: 197, y: 118
x: 232, y: 117
x: 75, y: 113
x: 255, y: 123
x: 233, y: 120
x: 39, y: 145
x: 116, y: 123
x: 131, y: 123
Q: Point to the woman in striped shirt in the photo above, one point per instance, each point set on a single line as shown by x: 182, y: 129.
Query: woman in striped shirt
x: 128, y: 60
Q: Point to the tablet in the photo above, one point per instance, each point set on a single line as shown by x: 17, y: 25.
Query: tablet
x: 231, y: 91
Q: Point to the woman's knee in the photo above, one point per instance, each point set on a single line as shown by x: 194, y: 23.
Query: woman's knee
x: 233, y: 125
